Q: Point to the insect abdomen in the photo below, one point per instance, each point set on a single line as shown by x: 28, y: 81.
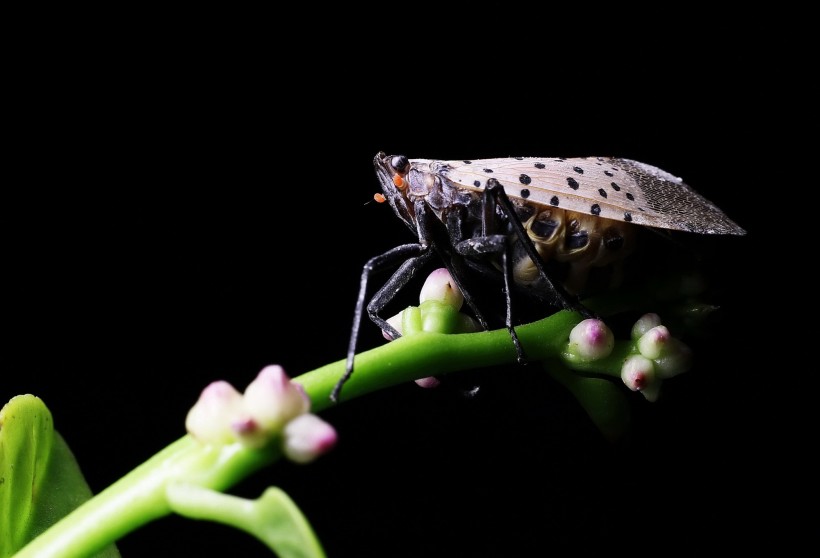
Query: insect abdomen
x: 580, y: 241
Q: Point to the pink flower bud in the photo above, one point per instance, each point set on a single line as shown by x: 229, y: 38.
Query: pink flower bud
x: 591, y: 339
x: 644, y: 324
x: 395, y: 321
x: 307, y: 437
x: 210, y: 419
x: 272, y: 399
x: 428, y: 382
x: 652, y: 342
x: 441, y: 287
x: 638, y: 374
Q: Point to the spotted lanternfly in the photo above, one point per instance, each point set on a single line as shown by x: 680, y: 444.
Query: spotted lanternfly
x: 512, y: 217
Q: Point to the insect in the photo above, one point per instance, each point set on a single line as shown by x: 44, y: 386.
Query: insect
x: 521, y: 220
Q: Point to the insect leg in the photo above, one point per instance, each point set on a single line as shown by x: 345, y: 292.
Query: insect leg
x: 560, y: 295
x: 497, y: 244
x: 408, y: 253
x: 454, y: 261
x: 397, y: 281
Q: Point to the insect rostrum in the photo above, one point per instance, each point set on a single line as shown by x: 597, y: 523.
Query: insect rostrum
x: 517, y: 218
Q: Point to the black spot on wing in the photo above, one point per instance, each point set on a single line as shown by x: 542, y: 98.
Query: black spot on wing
x: 554, y: 201
x: 627, y: 216
x: 572, y: 183
x: 525, y: 193
x: 579, y: 170
x: 524, y: 179
x: 602, y: 192
x: 595, y: 209
x: 477, y: 183
x: 540, y: 165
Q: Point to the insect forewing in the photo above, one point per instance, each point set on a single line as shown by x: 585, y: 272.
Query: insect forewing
x: 613, y: 188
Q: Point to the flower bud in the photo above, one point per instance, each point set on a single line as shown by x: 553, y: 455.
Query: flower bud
x: 652, y: 343
x: 428, y: 382
x: 441, y: 287
x: 638, y: 373
x: 210, y: 419
x: 307, y: 437
x: 644, y: 324
x: 272, y: 399
x: 591, y: 339
x: 395, y: 321
x: 676, y: 359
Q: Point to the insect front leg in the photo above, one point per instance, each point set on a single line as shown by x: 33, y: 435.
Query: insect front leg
x: 412, y: 256
x: 397, y: 281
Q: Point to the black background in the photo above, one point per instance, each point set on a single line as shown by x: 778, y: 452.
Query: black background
x: 190, y: 203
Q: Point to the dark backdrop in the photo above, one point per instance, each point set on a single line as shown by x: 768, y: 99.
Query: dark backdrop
x: 193, y: 206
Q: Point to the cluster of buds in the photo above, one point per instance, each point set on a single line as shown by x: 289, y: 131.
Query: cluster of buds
x: 659, y: 357
x: 272, y: 408
x: 654, y: 356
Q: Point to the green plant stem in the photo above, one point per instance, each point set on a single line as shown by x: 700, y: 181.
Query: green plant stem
x: 140, y: 496
x: 426, y: 354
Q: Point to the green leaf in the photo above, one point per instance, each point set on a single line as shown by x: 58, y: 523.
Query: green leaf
x: 40, y: 481
x: 273, y: 518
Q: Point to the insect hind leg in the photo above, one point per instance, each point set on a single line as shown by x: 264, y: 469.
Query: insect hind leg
x: 497, y: 244
x: 560, y: 295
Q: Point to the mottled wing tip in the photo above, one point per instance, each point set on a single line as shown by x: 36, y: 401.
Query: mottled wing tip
x: 680, y: 206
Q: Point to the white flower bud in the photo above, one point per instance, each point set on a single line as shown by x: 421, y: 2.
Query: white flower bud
x: 395, y: 321
x: 591, y: 339
x: 638, y: 373
x: 676, y: 359
x: 644, y: 324
x: 272, y: 399
x: 210, y: 419
x: 652, y: 343
x: 441, y: 287
x: 307, y: 437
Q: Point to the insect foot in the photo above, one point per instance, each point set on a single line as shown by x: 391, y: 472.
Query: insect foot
x: 273, y: 409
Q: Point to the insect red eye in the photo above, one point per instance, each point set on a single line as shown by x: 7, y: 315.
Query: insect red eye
x: 399, y: 164
x: 398, y: 181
